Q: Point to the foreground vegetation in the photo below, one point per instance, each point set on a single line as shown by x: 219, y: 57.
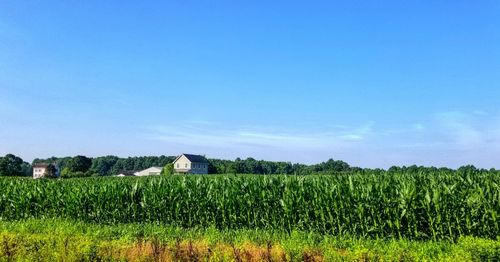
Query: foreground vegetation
x: 402, y: 214
x: 63, y: 240
x: 403, y: 206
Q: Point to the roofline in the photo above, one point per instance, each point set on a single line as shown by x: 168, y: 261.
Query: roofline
x: 177, y: 158
x: 157, y: 167
x: 184, y: 154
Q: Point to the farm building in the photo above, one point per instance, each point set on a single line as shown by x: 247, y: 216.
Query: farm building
x: 152, y: 171
x: 191, y: 164
x: 127, y: 173
x: 39, y: 170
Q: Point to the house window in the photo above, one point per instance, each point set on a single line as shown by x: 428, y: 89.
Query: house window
x: 177, y: 165
x: 186, y: 165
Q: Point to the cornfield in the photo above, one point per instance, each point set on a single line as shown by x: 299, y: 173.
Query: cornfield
x: 411, y: 206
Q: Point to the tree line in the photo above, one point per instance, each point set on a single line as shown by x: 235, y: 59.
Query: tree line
x: 82, y: 166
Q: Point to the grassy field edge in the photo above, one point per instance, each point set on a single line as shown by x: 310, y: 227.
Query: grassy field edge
x: 58, y: 239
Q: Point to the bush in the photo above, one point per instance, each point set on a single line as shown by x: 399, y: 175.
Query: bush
x: 168, y: 169
x: 66, y: 173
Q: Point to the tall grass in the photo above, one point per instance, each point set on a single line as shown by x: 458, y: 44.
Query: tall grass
x: 411, y: 206
x: 68, y: 240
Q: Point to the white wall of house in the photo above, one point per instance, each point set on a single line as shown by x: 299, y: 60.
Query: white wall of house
x: 182, y: 165
x: 38, y: 172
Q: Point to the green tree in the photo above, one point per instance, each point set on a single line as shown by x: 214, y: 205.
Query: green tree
x: 50, y: 171
x: 103, y: 165
x: 168, y: 169
x: 11, y: 165
x: 467, y: 169
x: 79, y: 164
x: 65, y: 173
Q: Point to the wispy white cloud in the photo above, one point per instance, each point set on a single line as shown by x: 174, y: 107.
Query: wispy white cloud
x: 442, y: 139
x: 450, y: 138
x: 210, y: 134
x: 466, y: 131
x: 452, y: 130
x: 199, y: 122
x: 358, y: 134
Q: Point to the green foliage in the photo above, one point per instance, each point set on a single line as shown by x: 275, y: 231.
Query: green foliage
x: 67, y: 173
x: 50, y: 171
x: 103, y: 165
x: 79, y: 164
x: 140, y: 163
x: 69, y: 240
x: 112, y: 165
x: 252, y: 166
x: 168, y: 169
x: 11, y: 165
x: 60, y: 162
x: 380, y: 205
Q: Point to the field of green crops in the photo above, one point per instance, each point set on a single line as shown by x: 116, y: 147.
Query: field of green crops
x: 422, y: 206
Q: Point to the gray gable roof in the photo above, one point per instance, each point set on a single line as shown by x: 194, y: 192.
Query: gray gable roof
x: 194, y: 158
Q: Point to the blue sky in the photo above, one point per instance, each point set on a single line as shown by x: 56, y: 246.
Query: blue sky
x: 374, y: 83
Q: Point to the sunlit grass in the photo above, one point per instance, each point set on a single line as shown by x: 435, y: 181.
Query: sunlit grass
x: 56, y: 239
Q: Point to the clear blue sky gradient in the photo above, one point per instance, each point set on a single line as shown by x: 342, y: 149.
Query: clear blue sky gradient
x: 374, y: 83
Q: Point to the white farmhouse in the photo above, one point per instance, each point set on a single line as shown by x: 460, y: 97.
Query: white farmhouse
x: 39, y: 170
x: 191, y: 164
